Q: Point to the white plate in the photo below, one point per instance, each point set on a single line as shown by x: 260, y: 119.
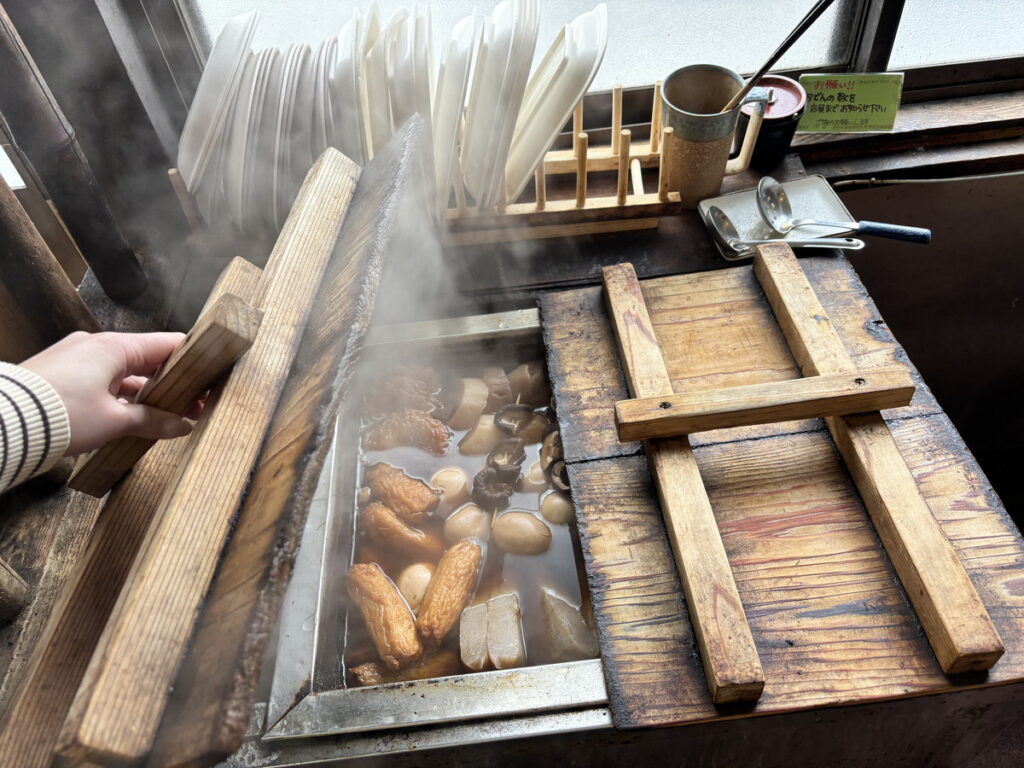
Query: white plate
x: 329, y: 62
x: 369, y: 32
x: 452, y: 82
x: 214, y: 95
x: 236, y: 138
x: 812, y: 197
x: 259, y: 208
x: 485, y: 98
x: 300, y: 147
x: 282, y: 180
x: 401, y: 36
x: 555, y: 89
x: 264, y: 66
x: 345, y: 96
x: 378, y: 100
x: 318, y: 123
x: 527, y: 20
x: 423, y: 64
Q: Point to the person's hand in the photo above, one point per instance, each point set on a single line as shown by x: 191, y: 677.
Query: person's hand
x: 97, y: 375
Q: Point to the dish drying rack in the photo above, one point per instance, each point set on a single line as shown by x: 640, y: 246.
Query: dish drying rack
x: 630, y: 208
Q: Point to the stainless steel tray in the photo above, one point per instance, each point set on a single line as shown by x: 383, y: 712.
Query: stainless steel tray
x: 307, y: 697
x: 811, y: 197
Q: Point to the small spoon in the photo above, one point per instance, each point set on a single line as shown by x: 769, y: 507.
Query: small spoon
x: 773, y: 205
x: 724, y: 231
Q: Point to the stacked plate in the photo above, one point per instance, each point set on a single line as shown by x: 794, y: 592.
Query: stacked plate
x: 260, y: 119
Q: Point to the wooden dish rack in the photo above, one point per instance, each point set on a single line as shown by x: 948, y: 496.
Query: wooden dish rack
x: 630, y: 208
x: 584, y: 214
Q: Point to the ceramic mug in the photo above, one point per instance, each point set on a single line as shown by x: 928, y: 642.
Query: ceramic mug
x: 702, y: 136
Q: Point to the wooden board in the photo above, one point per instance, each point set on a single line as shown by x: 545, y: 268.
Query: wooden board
x: 212, y: 702
x: 727, y: 649
x: 119, y: 704
x: 830, y: 620
x: 36, y: 708
x: 221, y: 335
x: 947, y: 605
x: 807, y: 398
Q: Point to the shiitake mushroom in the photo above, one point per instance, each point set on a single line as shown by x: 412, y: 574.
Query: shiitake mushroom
x: 560, y: 475
x: 493, y: 487
x: 520, y: 421
x: 551, y: 450
x: 511, y: 418
x: 509, y: 453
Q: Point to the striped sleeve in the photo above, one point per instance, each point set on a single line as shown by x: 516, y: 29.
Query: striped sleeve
x: 34, y: 428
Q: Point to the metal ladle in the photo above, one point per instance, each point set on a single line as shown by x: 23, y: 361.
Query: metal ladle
x: 773, y: 205
x: 724, y: 232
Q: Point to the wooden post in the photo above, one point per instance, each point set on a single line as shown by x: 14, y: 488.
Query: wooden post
x: 502, y: 194
x: 459, y: 184
x: 656, y: 117
x: 727, y: 648
x: 49, y: 142
x: 581, y: 170
x: 951, y: 613
x: 186, y: 201
x: 622, y: 139
x: 663, y: 164
x: 616, y: 117
x: 577, y: 128
x: 35, y: 278
x: 637, y: 176
x: 540, y: 184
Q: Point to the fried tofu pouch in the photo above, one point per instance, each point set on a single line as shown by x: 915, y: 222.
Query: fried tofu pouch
x: 408, y: 427
x: 409, y: 498
x: 449, y: 590
x: 387, y: 616
x: 392, y: 534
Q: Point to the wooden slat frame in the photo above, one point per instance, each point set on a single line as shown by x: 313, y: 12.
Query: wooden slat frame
x: 953, y: 617
x: 731, y: 663
x: 766, y: 403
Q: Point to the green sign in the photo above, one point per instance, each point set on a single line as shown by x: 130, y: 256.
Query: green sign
x: 848, y: 103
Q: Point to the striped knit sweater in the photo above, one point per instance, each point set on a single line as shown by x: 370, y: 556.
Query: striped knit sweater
x: 34, y: 429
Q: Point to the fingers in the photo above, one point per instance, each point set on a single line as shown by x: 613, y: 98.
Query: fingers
x: 131, y: 386
x: 145, y: 352
x: 153, y: 423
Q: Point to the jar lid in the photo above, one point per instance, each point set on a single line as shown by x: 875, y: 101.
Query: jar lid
x: 788, y: 97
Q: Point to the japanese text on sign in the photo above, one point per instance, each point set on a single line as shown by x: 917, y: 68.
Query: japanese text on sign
x: 851, y: 103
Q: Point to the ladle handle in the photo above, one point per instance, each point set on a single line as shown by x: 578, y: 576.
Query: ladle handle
x: 895, y: 231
